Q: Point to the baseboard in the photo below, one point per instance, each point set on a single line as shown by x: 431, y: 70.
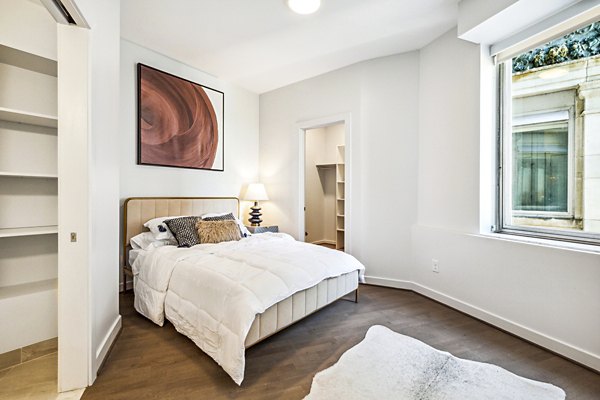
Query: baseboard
x: 557, y: 346
x: 27, y: 353
x: 106, y: 344
x: 325, y: 241
x: 393, y: 283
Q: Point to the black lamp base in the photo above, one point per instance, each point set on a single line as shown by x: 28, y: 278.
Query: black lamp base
x: 255, y: 215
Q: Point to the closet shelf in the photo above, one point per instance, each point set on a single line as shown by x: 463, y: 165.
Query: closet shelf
x: 341, y: 181
x: 28, y: 175
x: 26, y: 117
x: 29, y: 61
x: 340, y: 229
x: 28, y: 288
x: 325, y: 165
x: 28, y: 231
x: 341, y: 215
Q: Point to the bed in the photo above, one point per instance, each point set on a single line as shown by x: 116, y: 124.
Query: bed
x: 177, y: 293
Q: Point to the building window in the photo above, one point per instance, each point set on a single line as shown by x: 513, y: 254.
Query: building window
x: 549, y: 164
x: 540, y: 175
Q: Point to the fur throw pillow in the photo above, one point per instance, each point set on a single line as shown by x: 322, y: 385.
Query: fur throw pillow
x: 218, y: 231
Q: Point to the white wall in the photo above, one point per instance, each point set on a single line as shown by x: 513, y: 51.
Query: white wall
x: 241, y: 136
x: 104, y: 19
x: 381, y: 97
x: 89, y: 317
x: 547, y: 295
x: 24, y: 26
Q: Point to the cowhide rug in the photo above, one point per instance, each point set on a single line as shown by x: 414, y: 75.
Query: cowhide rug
x: 388, y: 365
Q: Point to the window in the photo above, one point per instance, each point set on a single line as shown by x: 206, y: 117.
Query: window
x: 549, y: 156
x: 540, y: 176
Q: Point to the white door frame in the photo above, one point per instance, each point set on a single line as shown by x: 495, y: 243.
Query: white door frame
x: 302, y: 127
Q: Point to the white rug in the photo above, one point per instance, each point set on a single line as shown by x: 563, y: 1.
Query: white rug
x: 388, y: 365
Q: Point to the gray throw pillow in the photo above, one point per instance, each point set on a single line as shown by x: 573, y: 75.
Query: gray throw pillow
x: 184, y: 230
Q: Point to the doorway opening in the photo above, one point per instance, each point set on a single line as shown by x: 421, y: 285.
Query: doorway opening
x: 325, y: 185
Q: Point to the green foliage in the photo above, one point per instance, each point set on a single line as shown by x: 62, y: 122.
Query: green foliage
x: 582, y: 43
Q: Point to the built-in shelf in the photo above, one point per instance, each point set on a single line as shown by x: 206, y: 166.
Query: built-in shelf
x: 26, y: 117
x: 28, y: 231
x: 28, y: 185
x: 340, y: 174
x: 28, y: 288
x: 325, y: 165
x: 32, y: 62
x: 28, y: 175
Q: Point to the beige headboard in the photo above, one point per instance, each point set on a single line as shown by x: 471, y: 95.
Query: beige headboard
x: 138, y: 210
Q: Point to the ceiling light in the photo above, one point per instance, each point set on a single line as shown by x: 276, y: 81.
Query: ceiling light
x: 553, y: 73
x: 304, y: 6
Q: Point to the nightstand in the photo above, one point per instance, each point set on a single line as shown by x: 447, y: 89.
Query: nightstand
x: 262, y: 229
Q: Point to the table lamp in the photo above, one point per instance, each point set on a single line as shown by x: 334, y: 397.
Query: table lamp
x: 256, y: 192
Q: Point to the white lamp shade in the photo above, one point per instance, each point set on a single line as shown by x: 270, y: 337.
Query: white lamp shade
x: 304, y: 6
x: 256, y: 192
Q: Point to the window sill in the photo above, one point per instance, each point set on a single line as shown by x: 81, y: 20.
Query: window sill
x: 555, y: 244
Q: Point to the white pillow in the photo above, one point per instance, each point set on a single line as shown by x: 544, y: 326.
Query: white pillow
x: 243, y: 229
x: 146, y: 240
x: 159, y: 229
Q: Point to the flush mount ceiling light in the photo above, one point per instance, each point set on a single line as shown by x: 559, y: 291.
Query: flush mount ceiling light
x: 304, y: 6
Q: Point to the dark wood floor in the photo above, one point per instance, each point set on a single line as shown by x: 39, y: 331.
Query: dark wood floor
x: 148, y: 362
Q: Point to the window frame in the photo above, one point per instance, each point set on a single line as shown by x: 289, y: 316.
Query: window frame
x: 549, y: 118
x: 504, y: 123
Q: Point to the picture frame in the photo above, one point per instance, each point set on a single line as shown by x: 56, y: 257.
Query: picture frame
x: 180, y: 123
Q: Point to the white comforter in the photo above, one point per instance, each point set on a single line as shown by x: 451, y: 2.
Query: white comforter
x: 212, y: 293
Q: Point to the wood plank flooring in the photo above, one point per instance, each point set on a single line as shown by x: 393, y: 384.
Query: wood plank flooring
x: 149, y: 362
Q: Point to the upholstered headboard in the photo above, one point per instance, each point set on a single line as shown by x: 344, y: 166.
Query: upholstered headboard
x: 138, y: 210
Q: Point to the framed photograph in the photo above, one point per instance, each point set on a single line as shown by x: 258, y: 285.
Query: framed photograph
x: 180, y: 122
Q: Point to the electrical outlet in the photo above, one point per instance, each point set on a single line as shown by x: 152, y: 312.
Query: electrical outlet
x: 435, y: 266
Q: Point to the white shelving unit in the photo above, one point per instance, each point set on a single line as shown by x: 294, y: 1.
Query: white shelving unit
x: 30, y: 118
x: 340, y: 178
x: 28, y: 288
x: 28, y: 175
x: 29, y: 231
x: 326, y: 166
x: 28, y: 196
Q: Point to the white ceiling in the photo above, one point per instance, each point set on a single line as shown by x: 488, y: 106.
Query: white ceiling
x: 262, y: 45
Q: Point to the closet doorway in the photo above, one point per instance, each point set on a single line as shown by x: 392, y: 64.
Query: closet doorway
x: 325, y: 191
